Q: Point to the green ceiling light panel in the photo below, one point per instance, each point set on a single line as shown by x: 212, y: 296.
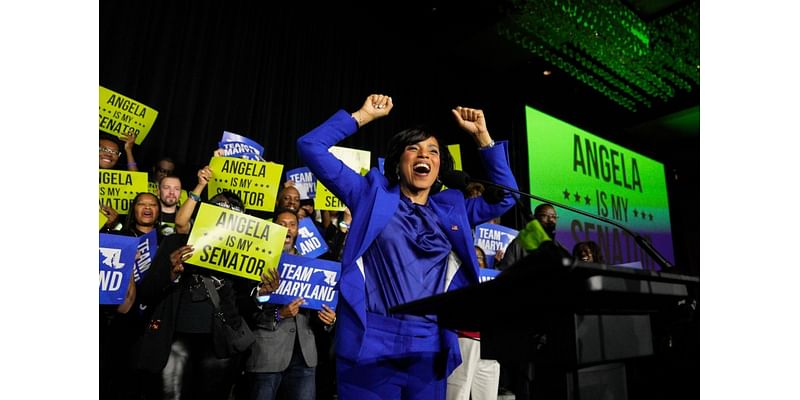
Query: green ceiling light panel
x: 608, y: 47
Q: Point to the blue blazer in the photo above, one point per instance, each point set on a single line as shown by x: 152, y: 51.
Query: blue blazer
x: 373, y: 203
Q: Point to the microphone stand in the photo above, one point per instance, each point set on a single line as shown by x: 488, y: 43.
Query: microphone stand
x: 641, y: 240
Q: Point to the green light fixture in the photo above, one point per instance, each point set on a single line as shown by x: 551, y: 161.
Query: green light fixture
x: 605, y: 45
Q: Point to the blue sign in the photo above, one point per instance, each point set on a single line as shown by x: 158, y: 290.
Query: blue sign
x: 304, y: 181
x: 487, y: 274
x: 380, y: 164
x: 309, y: 242
x: 238, y: 146
x: 492, y: 237
x: 117, y: 256
x: 147, y: 253
x: 312, y: 279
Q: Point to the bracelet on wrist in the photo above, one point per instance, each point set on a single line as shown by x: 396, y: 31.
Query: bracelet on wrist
x: 354, y: 116
x: 131, y: 164
x: 195, y: 197
x: 488, y: 146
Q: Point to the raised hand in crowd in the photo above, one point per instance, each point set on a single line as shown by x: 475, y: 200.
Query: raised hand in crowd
x: 130, y: 138
x: 183, y: 219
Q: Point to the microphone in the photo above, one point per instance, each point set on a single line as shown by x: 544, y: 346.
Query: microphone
x: 455, y: 179
x: 459, y: 180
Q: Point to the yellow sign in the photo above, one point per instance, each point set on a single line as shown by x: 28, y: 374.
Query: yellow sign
x: 235, y: 243
x: 118, y: 188
x: 455, y: 151
x: 255, y: 182
x: 120, y: 115
x: 103, y: 219
x: 357, y: 160
x: 153, y: 188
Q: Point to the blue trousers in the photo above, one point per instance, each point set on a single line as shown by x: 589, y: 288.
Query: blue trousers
x: 296, y: 382
x: 403, y: 378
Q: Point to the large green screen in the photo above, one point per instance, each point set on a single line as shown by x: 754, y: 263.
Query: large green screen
x: 575, y: 168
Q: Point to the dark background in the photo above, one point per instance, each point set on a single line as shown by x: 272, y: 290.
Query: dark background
x: 272, y: 72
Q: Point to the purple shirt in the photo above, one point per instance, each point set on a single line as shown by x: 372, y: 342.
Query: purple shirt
x: 407, y: 261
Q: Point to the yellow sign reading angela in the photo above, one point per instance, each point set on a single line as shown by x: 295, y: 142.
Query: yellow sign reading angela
x: 235, y: 243
x: 120, y: 115
x: 117, y: 188
x: 255, y: 182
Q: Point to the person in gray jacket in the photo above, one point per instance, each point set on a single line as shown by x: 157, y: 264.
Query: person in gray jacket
x: 284, y: 355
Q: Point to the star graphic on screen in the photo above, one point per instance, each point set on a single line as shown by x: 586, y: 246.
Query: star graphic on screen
x: 577, y: 197
x: 588, y: 200
x: 635, y: 213
x: 566, y: 194
x: 651, y: 217
x: 644, y: 215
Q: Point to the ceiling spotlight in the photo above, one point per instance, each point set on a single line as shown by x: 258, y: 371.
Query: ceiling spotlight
x: 547, y: 72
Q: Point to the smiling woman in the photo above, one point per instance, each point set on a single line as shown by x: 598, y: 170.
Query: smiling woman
x: 415, y: 161
x: 407, y: 240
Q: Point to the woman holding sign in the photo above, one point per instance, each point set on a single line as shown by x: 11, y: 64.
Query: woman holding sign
x: 406, y: 242
x: 180, y: 343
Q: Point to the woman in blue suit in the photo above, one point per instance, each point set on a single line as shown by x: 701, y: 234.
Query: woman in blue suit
x: 406, y: 242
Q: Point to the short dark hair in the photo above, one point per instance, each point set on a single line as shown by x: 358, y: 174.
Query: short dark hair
x: 110, y: 137
x: 397, y: 145
x: 284, y: 210
x: 167, y: 159
x: 168, y: 176
x: 541, y: 208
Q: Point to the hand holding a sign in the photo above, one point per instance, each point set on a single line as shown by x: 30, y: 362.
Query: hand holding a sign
x: 291, y: 309
x: 473, y: 121
x: 177, y: 258
x: 111, y: 215
x: 327, y: 315
x: 203, y: 176
x: 375, y: 106
x: 269, y: 282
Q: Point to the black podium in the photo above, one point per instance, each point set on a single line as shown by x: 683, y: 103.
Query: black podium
x: 581, y: 324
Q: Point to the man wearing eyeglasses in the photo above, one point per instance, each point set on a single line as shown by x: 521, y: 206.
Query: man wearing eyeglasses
x: 547, y: 217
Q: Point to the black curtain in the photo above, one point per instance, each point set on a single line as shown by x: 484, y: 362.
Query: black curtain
x: 273, y: 73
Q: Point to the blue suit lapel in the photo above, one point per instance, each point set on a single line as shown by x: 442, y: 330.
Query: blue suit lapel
x: 458, y: 231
